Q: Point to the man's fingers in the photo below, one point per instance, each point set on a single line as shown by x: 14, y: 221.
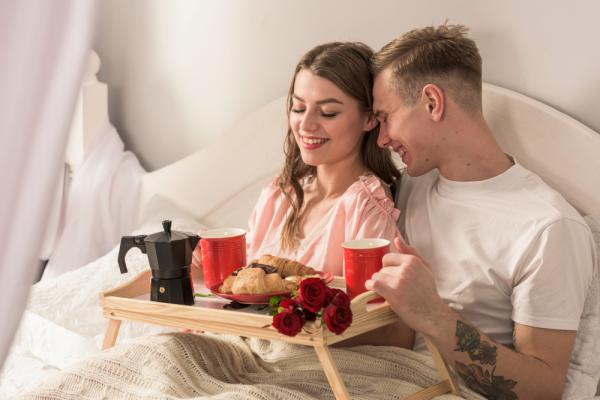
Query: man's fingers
x: 398, y: 241
x: 379, y: 282
x: 375, y: 285
x: 395, y: 259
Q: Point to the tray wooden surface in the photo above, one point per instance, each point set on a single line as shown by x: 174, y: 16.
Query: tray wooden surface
x: 131, y: 301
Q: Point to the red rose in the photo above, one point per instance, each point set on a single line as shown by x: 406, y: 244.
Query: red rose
x: 312, y: 293
x: 288, y: 304
x: 337, y: 318
x: 288, y: 322
x: 340, y: 299
x: 331, y: 292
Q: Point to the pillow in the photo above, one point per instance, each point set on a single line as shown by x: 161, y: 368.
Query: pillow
x: 584, y: 370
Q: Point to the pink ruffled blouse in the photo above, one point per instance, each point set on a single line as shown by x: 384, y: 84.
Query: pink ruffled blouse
x: 364, y: 211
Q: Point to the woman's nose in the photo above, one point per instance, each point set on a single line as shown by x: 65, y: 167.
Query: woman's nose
x: 309, y: 122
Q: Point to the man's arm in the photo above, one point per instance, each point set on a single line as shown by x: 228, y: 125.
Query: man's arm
x: 537, y: 367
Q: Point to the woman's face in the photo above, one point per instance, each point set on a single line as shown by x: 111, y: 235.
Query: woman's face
x: 328, y: 125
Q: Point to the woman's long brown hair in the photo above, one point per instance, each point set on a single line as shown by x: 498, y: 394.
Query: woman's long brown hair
x: 347, y: 66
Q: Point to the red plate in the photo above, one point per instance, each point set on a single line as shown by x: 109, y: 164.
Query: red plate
x: 261, y: 298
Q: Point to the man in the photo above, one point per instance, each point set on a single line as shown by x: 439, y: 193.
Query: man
x: 500, y: 263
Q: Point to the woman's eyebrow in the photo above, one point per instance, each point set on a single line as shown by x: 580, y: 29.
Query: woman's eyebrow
x: 320, y: 102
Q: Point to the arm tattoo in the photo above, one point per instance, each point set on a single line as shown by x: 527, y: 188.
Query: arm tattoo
x: 481, y: 380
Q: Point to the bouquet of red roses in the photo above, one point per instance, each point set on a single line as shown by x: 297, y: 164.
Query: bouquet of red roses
x: 311, y: 301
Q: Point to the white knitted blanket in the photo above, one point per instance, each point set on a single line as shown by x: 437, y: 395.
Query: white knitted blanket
x: 208, y: 366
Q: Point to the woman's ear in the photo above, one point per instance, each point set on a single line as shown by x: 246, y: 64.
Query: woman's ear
x: 434, y: 101
x: 370, y: 123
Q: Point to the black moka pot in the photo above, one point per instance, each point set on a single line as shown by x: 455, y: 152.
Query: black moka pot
x: 170, y: 256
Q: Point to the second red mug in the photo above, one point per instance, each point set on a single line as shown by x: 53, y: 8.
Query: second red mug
x: 362, y: 258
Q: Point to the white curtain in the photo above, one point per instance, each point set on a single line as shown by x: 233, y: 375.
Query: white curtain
x: 43, y: 45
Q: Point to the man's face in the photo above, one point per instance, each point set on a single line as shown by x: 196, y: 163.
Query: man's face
x: 403, y: 128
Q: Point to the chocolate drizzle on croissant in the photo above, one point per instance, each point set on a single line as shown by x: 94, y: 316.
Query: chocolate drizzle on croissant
x: 267, y: 268
x: 286, y: 267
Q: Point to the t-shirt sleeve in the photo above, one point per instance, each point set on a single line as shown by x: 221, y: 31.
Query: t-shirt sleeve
x: 550, y: 288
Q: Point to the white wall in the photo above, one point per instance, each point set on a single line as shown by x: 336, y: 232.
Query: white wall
x: 181, y: 71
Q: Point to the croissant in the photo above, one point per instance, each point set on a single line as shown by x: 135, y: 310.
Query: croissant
x: 265, y: 275
x: 286, y: 267
x: 227, y: 284
x: 274, y: 283
x: 249, y: 281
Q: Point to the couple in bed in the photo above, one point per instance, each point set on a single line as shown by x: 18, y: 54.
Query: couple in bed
x: 498, y: 264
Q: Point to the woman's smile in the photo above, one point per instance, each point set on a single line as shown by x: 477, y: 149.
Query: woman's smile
x: 312, y: 142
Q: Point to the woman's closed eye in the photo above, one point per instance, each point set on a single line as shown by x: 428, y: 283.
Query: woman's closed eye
x: 329, y: 115
x: 323, y: 113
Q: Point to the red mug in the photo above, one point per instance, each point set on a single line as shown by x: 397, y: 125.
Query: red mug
x: 223, y: 251
x: 362, y: 258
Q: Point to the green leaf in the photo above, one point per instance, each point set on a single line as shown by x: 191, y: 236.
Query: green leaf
x: 203, y: 295
x: 274, y: 305
x: 274, y: 301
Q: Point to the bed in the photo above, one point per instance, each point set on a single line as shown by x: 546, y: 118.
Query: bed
x: 63, y: 324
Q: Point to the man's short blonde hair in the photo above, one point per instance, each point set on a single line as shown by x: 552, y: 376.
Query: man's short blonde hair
x: 440, y: 55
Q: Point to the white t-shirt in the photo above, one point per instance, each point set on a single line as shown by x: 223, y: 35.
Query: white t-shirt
x: 505, y: 249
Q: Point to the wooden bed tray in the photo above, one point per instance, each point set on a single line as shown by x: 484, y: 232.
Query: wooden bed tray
x: 130, y: 301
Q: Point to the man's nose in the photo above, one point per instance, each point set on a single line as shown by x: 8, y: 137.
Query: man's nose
x: 382, y: 139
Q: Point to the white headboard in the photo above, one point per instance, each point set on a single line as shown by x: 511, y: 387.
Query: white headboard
x: 564, y: 152
x: 220, y: 183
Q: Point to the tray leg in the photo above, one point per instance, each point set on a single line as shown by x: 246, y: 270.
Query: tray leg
x: 442, y: 367
x: 448, y: 384
x: 111, y: 333
x: 333, y: 375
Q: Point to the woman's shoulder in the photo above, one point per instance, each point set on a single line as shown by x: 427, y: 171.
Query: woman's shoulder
x: 274, y: 187
x: 369, y: 192
x: 271, y: 191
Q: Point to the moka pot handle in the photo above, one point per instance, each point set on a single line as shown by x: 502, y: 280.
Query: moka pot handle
x: 127, y: 243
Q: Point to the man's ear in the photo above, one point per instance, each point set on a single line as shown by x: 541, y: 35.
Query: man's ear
x: 371, y: 122
x: 434, y: 101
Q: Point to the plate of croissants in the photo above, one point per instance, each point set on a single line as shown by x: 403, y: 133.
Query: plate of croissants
x: 265, y: 277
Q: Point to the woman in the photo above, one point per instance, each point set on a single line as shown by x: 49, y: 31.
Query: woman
x: 334, y: 185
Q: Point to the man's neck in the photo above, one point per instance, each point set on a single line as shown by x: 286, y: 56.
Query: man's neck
x: 474, y: 155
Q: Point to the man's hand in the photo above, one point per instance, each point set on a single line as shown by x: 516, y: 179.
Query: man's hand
x: 407, y: 283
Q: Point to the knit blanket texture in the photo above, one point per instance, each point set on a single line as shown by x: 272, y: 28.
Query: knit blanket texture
x: 211, y: 366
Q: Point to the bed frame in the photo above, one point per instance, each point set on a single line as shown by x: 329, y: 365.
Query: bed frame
x: 219, y: 184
